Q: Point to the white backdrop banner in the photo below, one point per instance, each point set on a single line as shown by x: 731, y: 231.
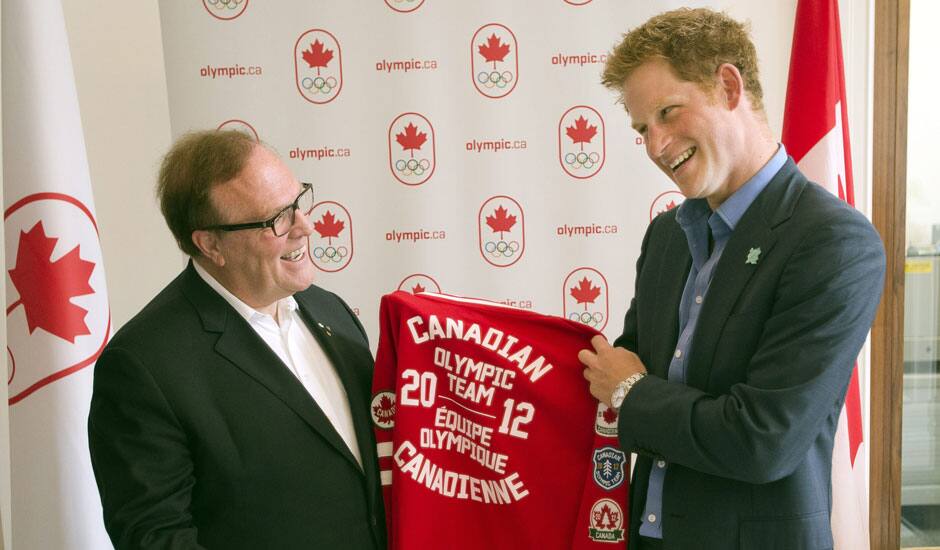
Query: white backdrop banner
x: 461, y: 147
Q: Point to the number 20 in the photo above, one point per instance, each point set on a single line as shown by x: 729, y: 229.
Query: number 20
x: 527, y: 412
x: 425, y: 383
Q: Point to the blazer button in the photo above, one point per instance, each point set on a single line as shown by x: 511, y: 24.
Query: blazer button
x: 374, y: 521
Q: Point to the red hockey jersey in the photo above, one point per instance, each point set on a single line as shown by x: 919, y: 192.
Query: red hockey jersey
x: 488, y: 437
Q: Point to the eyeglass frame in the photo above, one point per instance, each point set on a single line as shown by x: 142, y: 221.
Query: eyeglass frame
x: 268, y: 223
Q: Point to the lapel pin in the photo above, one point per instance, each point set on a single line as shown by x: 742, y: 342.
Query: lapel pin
x: 326, y: 328
x: 752, y: 256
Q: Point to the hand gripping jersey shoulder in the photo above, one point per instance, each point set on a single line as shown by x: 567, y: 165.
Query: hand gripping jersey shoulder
x: 487, y: 434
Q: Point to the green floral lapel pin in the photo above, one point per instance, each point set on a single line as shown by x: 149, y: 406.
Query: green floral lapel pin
x: 752, y: 256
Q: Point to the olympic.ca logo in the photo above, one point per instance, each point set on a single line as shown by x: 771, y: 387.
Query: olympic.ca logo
x: 582, y: 144
x: 225, y: 9
x: 494, y: 60
x: 331, y: 243
x: 501, y: 225
x: 318, y: 66
x: 584, y: 295
x: 412, y: 152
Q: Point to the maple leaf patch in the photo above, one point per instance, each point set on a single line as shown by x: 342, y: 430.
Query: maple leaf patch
x: 46, y: 288
x: 581, y: 132
x: 411, y: 139
x: 383, y: 409
x: 494, y: 50
x: 501, y: 222
x: 317, y: 56
x: 328, y: 226
x: 585, y: 293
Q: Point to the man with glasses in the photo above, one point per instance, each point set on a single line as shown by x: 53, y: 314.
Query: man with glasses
x: 232, y: 411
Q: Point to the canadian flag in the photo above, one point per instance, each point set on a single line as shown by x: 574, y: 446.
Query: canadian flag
x: 57, y: 314
x: 816, y: 134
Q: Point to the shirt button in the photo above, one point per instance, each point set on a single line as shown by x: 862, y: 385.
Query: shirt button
x: 698, y: 299
x: 661, y: 463
x: 651, y: 518
x: 678, y: 353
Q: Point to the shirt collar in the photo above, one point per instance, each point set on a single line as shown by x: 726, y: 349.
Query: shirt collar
x: 246, y: 311
x: 732, y: 210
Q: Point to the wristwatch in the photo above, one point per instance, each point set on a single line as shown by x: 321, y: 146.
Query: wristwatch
x: 623, y: 388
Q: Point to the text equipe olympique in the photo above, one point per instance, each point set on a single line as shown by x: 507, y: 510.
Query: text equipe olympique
x: 319, y: 153
x: 387, y: 66
x: 579, y: 59
x: 476, y: 383
x: 415, y: 236
x: 229, y: 71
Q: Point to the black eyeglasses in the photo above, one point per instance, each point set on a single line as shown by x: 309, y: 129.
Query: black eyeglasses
x: 281, y: 222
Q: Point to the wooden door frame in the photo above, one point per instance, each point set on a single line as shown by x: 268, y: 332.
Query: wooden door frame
x: 889, y: 189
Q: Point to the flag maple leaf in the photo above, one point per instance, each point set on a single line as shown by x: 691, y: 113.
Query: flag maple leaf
x: 610, y: 415
x: 581, y: 132
x: 417, y: 288
x: 328, y: 226
x: 46, y: 288
x: 317, y: 56
x: 411, y: 138
x: 585, y: 293
x: 494, y: 50
x: 384, y: 410
x: 501, y: 222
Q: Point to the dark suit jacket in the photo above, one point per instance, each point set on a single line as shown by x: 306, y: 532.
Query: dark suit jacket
x: 202, y: 438
x: 749, y: 438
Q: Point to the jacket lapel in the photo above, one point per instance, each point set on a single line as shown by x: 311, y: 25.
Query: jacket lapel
x: 343, y: 354
x: 754, y: 231
x: 241, y: 346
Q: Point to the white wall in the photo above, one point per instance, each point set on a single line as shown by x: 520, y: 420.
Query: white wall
x: 117, y: 55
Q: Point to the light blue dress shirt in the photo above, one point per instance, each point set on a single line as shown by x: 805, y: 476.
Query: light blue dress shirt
x: 696, y: 217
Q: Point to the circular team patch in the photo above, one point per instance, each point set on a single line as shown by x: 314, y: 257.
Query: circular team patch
x: 606, y: 424
x: 609, y: 467
x: 606, y: 521
x: 383, y: 410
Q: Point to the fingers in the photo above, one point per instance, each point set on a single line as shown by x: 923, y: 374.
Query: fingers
x: 600, y: 344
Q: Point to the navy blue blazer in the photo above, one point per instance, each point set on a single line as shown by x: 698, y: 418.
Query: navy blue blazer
x: 749, y: 437
x: 202, y: 438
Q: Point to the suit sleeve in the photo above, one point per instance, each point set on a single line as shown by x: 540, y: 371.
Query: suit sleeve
x: 628, y: 338
x: 795, y: 380
x: 140, y: 457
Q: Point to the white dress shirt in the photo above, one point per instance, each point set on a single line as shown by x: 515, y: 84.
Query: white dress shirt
x: 292, y: 341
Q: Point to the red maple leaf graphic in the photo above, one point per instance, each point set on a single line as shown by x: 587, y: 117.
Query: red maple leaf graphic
x: 329, y: 227
x: 417, y: 288
x: 494, y: 50
x: 384, y: 411
x: 581, y: 132
x: 501, y: 222
x: 585, y: 293
x: 411, y: 138
x: 46, y: 288
x: 316, y: 56
x: 610, y: 415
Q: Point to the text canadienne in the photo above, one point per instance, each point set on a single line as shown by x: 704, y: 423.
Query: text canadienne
x: 505, y: 345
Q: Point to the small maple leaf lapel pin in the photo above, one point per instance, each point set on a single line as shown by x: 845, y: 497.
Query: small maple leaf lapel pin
x: 326, y: 329
x: 753, y: 255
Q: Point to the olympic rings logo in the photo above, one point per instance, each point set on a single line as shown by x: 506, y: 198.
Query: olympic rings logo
x: 582, y: 160
x: 328, y: 254
x: 412, y: 167
x: 319, y: 84
x: 501, y: 249
x: 223, y: 4
x: 495, y: 79
x: 593, y: 319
